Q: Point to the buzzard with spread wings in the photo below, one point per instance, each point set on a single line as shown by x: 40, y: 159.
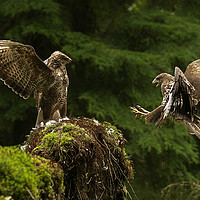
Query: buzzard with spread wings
x: 26, y: 74
x: 181, y: 96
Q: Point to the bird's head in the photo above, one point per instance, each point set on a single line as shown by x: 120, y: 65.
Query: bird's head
x: 163, y: 77
x: 59, y: 56
x: 57, y: 60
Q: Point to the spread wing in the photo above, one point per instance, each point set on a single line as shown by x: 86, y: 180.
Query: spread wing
x: 22, y: 70
x: 186, y: 91
x: 184, y: 96
x: 192, y: 73
x: 181, y: 101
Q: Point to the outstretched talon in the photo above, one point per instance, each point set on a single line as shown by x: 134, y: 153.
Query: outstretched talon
x: 139, y: 112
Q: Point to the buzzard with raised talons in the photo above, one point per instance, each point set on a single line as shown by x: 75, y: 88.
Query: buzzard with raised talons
x: 26, y: 74
x: 181, y: 97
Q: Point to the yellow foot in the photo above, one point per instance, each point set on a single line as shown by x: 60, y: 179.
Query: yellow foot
x: 142, y: 109
x: 140, y: 112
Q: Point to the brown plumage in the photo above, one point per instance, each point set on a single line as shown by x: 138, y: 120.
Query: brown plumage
x: 181, y: 96
x: 26, y: 74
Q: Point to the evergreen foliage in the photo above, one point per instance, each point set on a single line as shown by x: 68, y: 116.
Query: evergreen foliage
x: 117, y: 48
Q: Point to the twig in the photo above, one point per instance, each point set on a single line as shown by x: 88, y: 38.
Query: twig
x: 30, y: 193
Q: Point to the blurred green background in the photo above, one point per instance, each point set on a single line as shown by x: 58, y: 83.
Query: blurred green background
x: 117, y: 47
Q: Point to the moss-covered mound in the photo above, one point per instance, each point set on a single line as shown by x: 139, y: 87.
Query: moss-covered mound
x: 25, y: 177
x: 91, y: 155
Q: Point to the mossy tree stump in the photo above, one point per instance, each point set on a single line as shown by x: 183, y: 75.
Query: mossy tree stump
x: 91, y: 155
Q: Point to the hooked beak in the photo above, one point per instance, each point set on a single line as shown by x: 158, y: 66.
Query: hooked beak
x: 69, y: 59
x: 155, y: 81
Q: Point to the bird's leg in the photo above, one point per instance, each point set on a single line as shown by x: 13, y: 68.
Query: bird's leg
x: 39, y: 118
x: 56, y: 115
x: 139, y: 112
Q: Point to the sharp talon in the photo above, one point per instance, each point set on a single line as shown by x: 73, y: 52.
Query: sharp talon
x: 142, y: 109
x: 137, y: 112
x: 133, y: 109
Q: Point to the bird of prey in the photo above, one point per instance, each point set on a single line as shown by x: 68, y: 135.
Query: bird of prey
x: 181, y: 96
x: 26, y: 74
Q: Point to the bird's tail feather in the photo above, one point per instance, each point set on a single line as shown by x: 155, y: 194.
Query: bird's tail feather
x: 193, y: 126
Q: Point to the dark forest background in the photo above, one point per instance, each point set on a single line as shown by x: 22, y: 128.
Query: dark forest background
x: 117, y: 47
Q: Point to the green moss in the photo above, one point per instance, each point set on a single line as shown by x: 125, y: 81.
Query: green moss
x: 66, y: 140
x: 113, y: 135
x: 16, y: 174
x: 26, y: 177
x: 62, y: 135
x: 67, y: 127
